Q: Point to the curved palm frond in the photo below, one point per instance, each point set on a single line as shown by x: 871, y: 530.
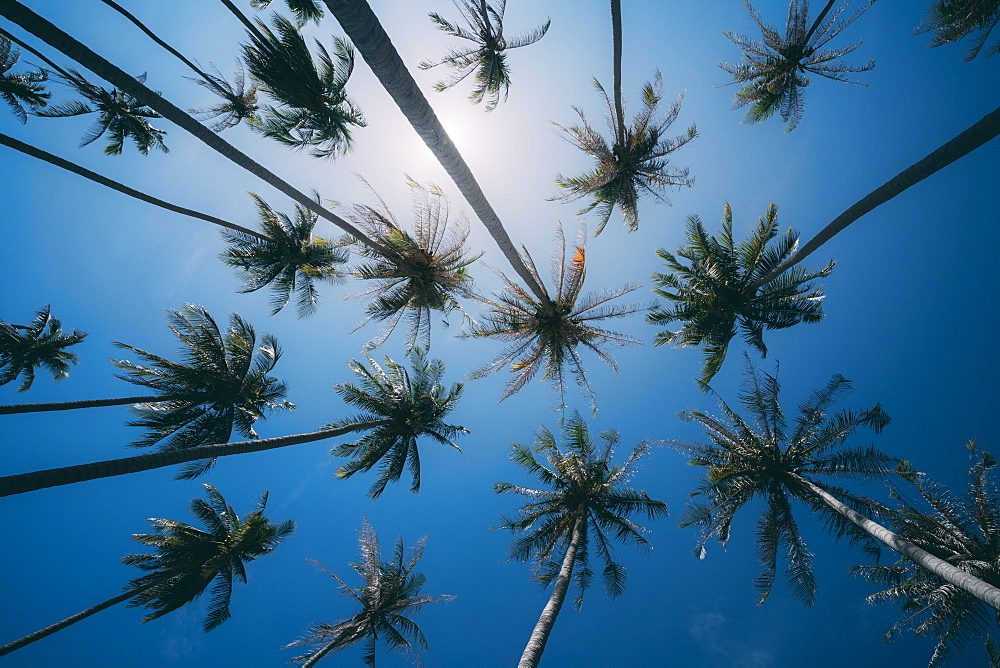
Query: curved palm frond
x: 954, y: 20
x: 304, y: 10
x: 24, y: 348
x: 25, y: 88
x: 239, y: 101
x: 712, y: 286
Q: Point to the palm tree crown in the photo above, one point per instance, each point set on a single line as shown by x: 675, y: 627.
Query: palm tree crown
x: 487, y: 58
x: 415, y: 402
x: 290, y: 260
x: 389, y: 596
x: 775, y: 68
x: 426, y: 270
x: 547, y: 336
x: 222, y: 384
x: 188, y: 559
x: 761, y: 458
x: 304, y: 10
x: 631, y: 165
x: 954, y: 20
x: 962, y: 530
x: 313, y: 109
x: 239, y: 100
x: 21, y: 89
x: 24, y: 348
x: 715, y: 293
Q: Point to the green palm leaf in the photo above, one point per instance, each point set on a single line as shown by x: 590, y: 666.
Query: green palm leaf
x: 42, y: 344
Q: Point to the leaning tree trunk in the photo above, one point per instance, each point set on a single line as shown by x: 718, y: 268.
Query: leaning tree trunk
x: 969, y: 140
x: 114, y: 185
x: 49, y: 33
x: 28, y: 482
x: 984, y: 591
x: 819, y: 19
x: 616, y: 34
x: 83, y: 614
x: 11, y: 409
x: 540, y: 635
x: 366, y: 33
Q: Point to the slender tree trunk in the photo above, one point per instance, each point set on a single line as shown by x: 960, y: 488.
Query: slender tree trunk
x: 11, y: 409
x: 616, y: 32
x: 28, y: 482
x: 50, y: 34
x: 368, y: 36
x: 114, y: 185
x: 540, y: 635
x: 819, y: 19
x: 83, y: 614
x: 149, y: 33
x: 247, y: 23
x: 984, y: 591
x: 969, y: 140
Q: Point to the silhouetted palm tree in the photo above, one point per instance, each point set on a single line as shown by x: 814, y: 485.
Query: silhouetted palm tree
x: 25, y: 88
x: 584, y: 502
x: 187, y: 560
x: 954, y: 20
x: 389, y: 597
x: 24, y: 348
x: 487, y: 58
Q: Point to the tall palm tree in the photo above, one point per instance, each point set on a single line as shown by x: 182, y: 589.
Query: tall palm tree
x: 288, y: 258
x: 584, y: 501
x: 427, y: 271
x: 18, y: 90
x: 954, y: 20
x: 187, y: 560
x: 713, y: 286
x: 547, y: 338
x: 24, y: 348
x: 389, y: 597
x: 775, y: 68
x: 487, y: 58
x: 760, y: 458
x: 313, y: 109
x: 962, y: 530
x: 410, y: 404
x: 631, y: 166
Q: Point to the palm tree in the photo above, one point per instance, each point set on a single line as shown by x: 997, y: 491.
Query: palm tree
x: 963, y: 531
x: 631, y: 166
x: 761, y: 459
x: 713, y: 285
x: 585, y: 501
x: 775, y: 68
x: 187, y: 560
x: 24, y: 348
x: 313, y: 109
x: 286, y: 256
x: 546, y: 338
x: 487, y: 58
x: 304, y: 10
x: 389, y: 596
x: 954, y: 20
x: 22, y: 89
x: 426, y: 272
x: 409, y: 404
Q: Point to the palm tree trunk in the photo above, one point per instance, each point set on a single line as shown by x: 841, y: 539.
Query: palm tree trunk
x: 244, y: 20
x: 11, y: 409
x: 819, y: 19
x: 83, y: 614
x: 969, y: 140
x: 540, y: 635
x: 368, y: 36
x: 28, y: 482
x: 616, y: 32
x: 50, y: 34
x: 984, y: 591
x: 114, y: 185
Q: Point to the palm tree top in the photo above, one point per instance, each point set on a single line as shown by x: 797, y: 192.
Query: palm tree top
x: 712, y: 284
x: 765, y: 457
x: 487, y: 58
x: 955, y: 20
x: 964, y: 530
x: 774, y: 68
x: 416, y: 403
x: 585, y: 490
x: 188, y: 559
x: 25, y: 88
x: 630, y: 168
x: 304, y: 10
x: 239, y: 100
x: 546, y: 336
x: 24, y: 348
x: 388, y: 598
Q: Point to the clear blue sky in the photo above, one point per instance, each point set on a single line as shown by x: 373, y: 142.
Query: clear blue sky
x: 910, y: 311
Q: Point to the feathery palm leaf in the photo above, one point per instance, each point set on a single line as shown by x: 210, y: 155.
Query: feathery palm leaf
x: 627, y: 170
x: 415, y: 401
x: 18, y: 90
x: 223, y: 380
x: 774, y: 69
x: 713, y: 293
x: 239, y: 101
x: 954, y: 20
x: 24, y: 348
x: 304, y: 10
x: 487, y: 59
